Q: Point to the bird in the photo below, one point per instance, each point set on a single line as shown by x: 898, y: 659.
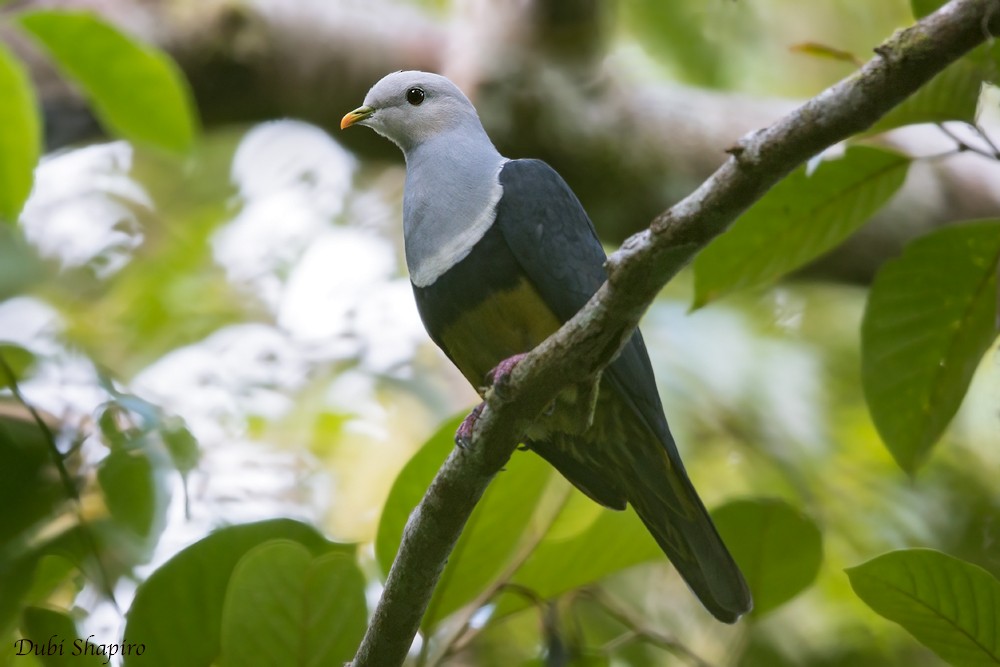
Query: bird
x: 500, y: 253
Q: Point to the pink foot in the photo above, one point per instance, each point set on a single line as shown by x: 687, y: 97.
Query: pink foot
x: 500, y: 376
x: 463, y: 436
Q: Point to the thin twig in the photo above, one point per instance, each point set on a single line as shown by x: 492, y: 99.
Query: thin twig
x: 465, y: 635
x: 622, y: 640
x: 943, y: 155
x: 64, y: 477
x: 964, y: 146
x: 989, y: 142
x: 638, y: 631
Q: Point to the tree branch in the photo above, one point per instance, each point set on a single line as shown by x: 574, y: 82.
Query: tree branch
x: 637, y: 272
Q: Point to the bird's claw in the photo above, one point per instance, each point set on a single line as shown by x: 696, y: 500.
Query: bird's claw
x: 463, y: 436
x: 499, y: 377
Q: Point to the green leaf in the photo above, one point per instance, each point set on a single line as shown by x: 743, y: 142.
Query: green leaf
x: 16, y: 577
x: 953, y: 94
x: 30, y: 487
x: 20, y: 136
x: 136, y: 90
x: 18, y: 360
x: 285, y: 607
x: 116, y: 431
x: 930, y: 317
x: 586, y: 544
x: 778, y: 548
x: 408, y: 489
x: 53, y: 634
x: 948, y: 605
x: 181, y: 444
x: 19, y: 265
x: 674, y: 32
x: 802, y: 217
x: 825, y: 51
x: 133, y: 490
x: 51, y: 572
x: 922, y: 8
x: 177, y: 611
x: 490, y: 538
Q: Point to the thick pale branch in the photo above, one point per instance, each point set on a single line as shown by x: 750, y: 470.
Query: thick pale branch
x: 637, y: 272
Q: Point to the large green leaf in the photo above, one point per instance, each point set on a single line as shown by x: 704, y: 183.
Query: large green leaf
x: 133, y: 489
x: 19, y: 265
x: 177, y: 611
x: 931, y: 315
x: 20, y: 136
x: 675, y: 33
x: 18, y: 360
x: 953, y: 94
x: 778, y: 548
x: 286, y: 607
x: 136, y: 90
x: 922, y: 8
x: 51, y: 572
x: 799, y: 219
x: 949, y: 605
x: 586, y: 544
x: 408, y: 489
x: 15, y: 583
x: 492, y: 534
x: 30, y: 486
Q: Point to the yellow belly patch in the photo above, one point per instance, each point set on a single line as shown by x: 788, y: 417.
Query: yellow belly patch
x: 505, y: 324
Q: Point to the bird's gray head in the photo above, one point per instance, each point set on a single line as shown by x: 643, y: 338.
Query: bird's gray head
x: 411, y: 107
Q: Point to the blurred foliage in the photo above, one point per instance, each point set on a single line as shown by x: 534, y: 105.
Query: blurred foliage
x: 814, y: 209
x: 750, y: 46
x: 198, y: 340
x: 951, y: 95
x: 156, y: 107
x: 21, y: 143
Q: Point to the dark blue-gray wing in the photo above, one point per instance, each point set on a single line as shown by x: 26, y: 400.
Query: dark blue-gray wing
x: 554, y: 241
x: 552, y: 237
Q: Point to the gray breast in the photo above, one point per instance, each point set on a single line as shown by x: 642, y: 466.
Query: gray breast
x: 452, y: 190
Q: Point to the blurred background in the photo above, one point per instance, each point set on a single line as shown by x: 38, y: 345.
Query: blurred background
x: 253, y: 295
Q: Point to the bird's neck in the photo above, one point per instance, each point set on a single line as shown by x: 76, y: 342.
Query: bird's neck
x: 452, y: 188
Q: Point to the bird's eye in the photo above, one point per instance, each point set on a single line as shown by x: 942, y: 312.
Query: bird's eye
x: 415, y: 96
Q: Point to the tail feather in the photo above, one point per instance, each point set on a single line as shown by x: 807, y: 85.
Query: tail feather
x: 669, y: 506
x: 642, y: 471
x: 584, y: 475
x: 702, y: 560
x: 629, y: 455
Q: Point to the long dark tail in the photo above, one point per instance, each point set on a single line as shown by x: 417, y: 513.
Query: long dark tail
x: 645, y: 474
x: 664, y: 498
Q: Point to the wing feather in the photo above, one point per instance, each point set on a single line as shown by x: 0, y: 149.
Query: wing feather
x: 554, y: 241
